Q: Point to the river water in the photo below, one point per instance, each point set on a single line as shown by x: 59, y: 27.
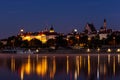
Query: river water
x: 55, y: 67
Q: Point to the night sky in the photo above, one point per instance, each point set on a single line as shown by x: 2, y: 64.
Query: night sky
x: 64, y: 15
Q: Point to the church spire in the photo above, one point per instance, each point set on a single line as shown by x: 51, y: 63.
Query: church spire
x: 52, y: 29
x: 105, y: 24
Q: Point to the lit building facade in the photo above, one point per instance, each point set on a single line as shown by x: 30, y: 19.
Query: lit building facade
x: 42, y: 36
x: 104, y: 32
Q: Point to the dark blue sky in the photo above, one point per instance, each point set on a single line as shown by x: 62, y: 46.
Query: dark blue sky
x: 35, y: 15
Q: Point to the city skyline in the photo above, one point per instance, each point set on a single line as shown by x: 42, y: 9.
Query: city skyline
x: 63, y: 15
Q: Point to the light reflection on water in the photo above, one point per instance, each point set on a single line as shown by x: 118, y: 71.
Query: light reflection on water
x: 82, y: 67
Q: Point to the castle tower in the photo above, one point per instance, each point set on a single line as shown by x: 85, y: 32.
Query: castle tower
x: 52, y: 29
x: 105, y: 24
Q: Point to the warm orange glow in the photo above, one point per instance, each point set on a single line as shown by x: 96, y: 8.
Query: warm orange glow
x: 52, y: 72
x: 88, y: 64
x: 98, y: 73
x: 80, y: 61
x: 118, y: 50
x: 105, y: 70
x: 52, y: 31
x: 41, y: 68
x: 114, y: 65
x: 22, y: 74
x: 37, y: 57
x: 118, y: 58
x: 109, y: 58
x: 109, y: 50
x: 77, y: 64
x: 67, y: 64
x: 28, y: 66
x: 38, y: 37
x: 98, y: 49
x: 81, y: 44
x: 43, y: 38
x: 26, y: 38
x: 12, y: 64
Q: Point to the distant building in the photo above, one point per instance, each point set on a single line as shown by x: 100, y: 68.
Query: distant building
x: 90, y: 29
x: 42, y: 36
x: 4, y: 41
x: 104, y: 32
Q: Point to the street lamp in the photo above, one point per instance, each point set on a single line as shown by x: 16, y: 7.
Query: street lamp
x: 109, y: 50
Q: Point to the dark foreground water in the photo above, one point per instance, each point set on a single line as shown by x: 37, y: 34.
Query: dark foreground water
x: 70, y: 67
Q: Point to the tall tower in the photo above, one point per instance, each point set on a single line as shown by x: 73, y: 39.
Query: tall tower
x: 105, y: 24
x: 51, y: 29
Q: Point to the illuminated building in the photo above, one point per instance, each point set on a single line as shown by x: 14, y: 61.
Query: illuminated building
x: 104, y: 32
x: 42, y: 36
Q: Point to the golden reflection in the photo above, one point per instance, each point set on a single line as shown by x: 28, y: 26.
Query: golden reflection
x: 118, y: 58
x: 52, y: 72
x: 37, y: 57
x: 105, y: 69
x: 88, y: 64
x: 77, y: 64
x: 12, y: 64
x: 84, y: 62
x: 114, y: 65
x: 80, y: 61
x: 109, y: 58
x: 98, y: 71
x: 67, y: 64
x: 41, y: 67
x: 28, y: 66
x: 22, y: 74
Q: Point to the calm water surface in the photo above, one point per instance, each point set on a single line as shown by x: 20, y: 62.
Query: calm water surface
x: 75, y: 67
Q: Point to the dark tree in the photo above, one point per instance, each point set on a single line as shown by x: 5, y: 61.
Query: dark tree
x: 60, y: 41
x: 73, y: 41
x: 11, y: 41
x: 51, y: 42
x: 25, y: 44
x: 35, y: 43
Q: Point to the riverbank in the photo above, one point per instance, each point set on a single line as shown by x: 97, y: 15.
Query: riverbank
x: 51, y: 55
x: 62, y: 51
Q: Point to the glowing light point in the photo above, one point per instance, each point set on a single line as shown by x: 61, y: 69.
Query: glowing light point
x: 109, y: 50
x: 37, y: 50
x: 75, y: 30
x: 118, y: 50
x: 88, y: 50
x: 98, y: 49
